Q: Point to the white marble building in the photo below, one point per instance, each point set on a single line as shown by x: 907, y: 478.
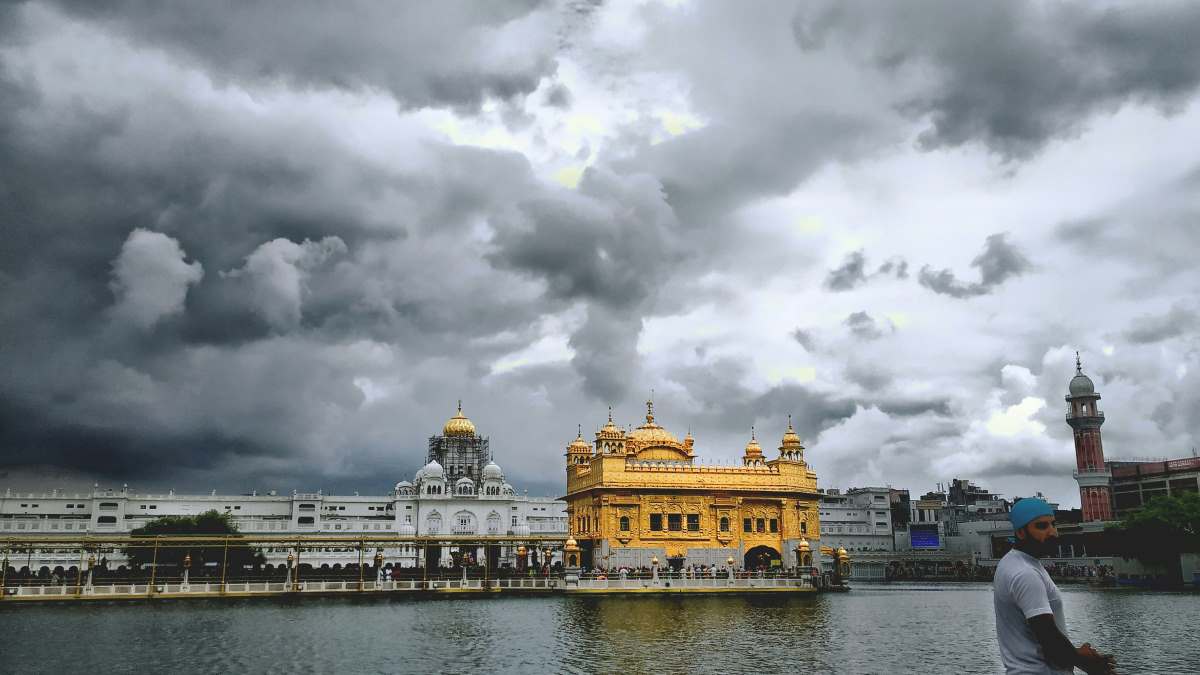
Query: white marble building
x: 428, y: 505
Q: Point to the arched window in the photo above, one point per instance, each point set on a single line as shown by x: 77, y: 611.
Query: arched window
x: 724, y: 524
x: 624, y: 523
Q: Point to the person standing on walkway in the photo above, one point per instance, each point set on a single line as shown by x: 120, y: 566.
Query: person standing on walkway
x: 1030, y: 624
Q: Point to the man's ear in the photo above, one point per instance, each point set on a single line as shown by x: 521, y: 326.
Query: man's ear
x: 1020, y: 534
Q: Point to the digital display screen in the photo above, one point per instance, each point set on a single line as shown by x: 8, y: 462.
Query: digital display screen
x: 924, y: 536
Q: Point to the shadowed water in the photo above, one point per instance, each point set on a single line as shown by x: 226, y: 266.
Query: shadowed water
x: 873, y: 629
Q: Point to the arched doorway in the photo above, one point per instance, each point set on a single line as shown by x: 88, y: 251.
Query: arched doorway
x: 760, y: 558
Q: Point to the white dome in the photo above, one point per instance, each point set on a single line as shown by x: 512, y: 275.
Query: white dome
x: 407, y: 530
x: 464, y: 481
x: 403, y: 484
x: 508, y: 489
x: 433, y: 470
x: 492, y: 470
x: 520, y: 530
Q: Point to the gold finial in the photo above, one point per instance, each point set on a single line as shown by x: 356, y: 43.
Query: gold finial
x: 650, y: 410
x: 610, y: 413
x: 789, y: 422
x: 752, y: 433
x: 580, y: 434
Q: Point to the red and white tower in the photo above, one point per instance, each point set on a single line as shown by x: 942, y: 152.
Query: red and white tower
x: 1094, y: 478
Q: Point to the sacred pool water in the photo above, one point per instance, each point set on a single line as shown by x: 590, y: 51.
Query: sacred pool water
x: 873, y: 629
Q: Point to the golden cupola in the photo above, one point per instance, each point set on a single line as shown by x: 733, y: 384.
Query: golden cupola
x: 459, y: 425
x: 651, y: 434
x: 790, y: 448
x: 754, y: 454
x: 579, y: 450
x: 611, y: 438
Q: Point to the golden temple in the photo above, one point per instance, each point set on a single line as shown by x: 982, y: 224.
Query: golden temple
x: 639, y: 495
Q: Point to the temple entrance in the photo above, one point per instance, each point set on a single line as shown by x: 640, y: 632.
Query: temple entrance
x: 761, y: 558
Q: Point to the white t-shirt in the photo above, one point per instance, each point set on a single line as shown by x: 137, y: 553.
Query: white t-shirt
x: 1023, y: 589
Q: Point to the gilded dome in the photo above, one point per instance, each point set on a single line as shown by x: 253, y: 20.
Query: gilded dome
x: 579, y: 445
x: 459, y: 425
x: 610, y: 431
x: 753, y: 449
x: 790, y: 438
x: 651, y: 434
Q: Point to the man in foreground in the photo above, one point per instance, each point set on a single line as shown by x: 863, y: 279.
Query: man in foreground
x: 1030, y: 624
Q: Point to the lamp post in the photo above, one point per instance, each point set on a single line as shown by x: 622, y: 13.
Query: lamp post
x: 187, y: 566
x: 91, y: 567
x: 654, y: 570
x: 729, y: 565
x: 378, y: 569
x: 288, y: 580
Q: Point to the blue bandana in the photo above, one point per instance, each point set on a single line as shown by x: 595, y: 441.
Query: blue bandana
x: 1026, y: 510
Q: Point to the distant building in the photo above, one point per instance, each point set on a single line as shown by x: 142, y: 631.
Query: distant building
x: 859, y: 520
x: 636, y: 496
x: 436, y: 502
x: 1110, y: 489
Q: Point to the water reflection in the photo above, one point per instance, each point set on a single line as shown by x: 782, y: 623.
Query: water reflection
x: 884, y: 628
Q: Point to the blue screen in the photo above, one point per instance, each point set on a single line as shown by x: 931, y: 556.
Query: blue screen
x: 924, y: 536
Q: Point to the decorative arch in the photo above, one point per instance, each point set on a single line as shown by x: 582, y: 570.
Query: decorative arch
x: 760, y: 558
x: 463, y: 523
x: 493, y: 523
x: 433, y: 523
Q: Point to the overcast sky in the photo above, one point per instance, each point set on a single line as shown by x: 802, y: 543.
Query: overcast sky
x: 268, y: 245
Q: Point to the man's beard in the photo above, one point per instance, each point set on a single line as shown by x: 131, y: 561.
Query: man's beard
x: 1044, y: 549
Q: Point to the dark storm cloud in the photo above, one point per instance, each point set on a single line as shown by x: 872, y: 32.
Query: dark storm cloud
x: 1149, y: 329
x: 998, y: 262
x: 445, y: 53
x: 609, y: 246
x: 1014, y: 75
x: 185, y: 287
x: 863, y: 326
x: 853, y: 271
x: 805, y: 338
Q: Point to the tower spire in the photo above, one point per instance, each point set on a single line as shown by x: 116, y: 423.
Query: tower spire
x: 1078, y: 364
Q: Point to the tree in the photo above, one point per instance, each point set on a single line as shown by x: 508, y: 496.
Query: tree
x: 1175, y: 517
x: 211, y: 525
x: 1159, y: 531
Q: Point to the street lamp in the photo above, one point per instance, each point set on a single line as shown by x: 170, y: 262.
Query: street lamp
x: 729, y: 565
x: 91, y: 566
x: 290, y: 559
x: 654, y: 569
x: 187, y: 565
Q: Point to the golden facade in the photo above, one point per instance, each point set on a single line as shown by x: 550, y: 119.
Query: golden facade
x: 639, y: 495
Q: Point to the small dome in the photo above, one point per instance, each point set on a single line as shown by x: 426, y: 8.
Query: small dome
x: 790, y: 438
x: 1081, y: 385
x: 407, y: 530
x: 520, y: 530
x: 610, y: 431
x: 804, y: 544
x: 464, y: 481
x: 579, y: 445
x: 491, y: 470
x: 432, y: 470
x: 402, y: 485
x: 571, y: 543
x: 753, y: 449
x: 459, y: 425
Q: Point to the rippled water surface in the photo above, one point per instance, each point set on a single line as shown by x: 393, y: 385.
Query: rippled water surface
x: 873, y: 629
